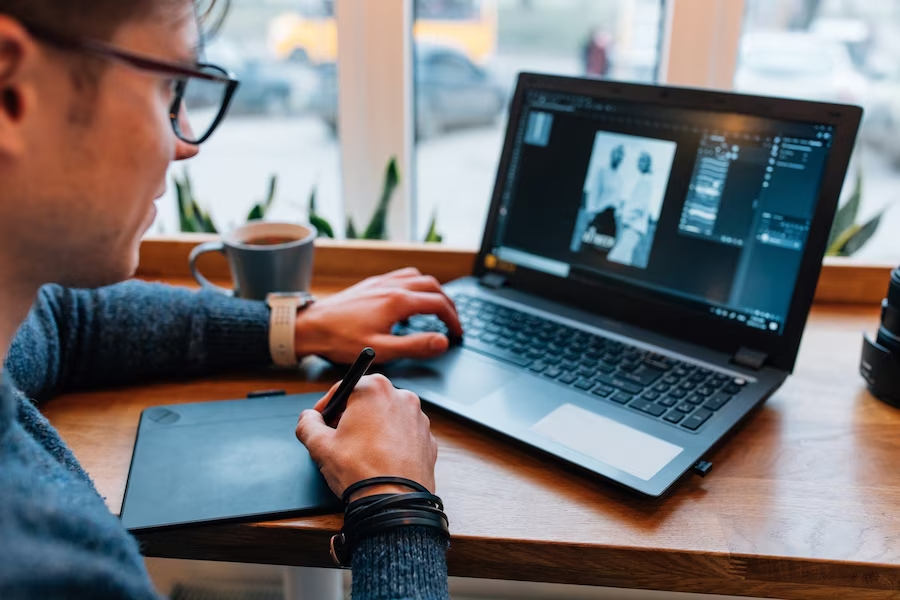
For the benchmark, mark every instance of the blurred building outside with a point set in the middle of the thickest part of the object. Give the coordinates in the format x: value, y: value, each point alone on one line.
x: 468, y: 54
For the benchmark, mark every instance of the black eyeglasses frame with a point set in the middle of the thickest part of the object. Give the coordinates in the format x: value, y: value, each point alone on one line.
x: 153, y: 65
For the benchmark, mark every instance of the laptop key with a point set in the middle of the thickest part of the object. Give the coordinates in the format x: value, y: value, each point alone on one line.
x: 647, y: 407
x: 584, y: 384
x: 666, y: 401
x: 644, y: 376
x: 622, y: 397
x: 552, y: 372
x: 685, y: 407
x: 674, y: 416
x: 568, y: 378
x: 494, y: 352
x: 718, y: 401
x: 620, y: 383
x: 697, y: 419
x: 603, y: 391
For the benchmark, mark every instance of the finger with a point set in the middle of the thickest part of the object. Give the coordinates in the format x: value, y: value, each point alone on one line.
x: 323, y: 402
x: 424, y: 303
x: 402, y: 273
x: 314, y: 434
x: 416, y: 345
x: 422, y: 283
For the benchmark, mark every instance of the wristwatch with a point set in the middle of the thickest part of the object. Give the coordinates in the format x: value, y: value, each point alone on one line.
x: 282, y: 324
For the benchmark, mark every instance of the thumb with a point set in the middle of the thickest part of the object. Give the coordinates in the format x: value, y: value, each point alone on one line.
x: 417, y: 345
x: 314, y: 433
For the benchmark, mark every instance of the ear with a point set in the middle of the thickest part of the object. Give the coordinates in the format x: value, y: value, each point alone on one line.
x: 17, y: 53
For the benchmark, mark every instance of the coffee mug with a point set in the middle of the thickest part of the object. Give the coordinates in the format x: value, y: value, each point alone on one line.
x: 264, y: 257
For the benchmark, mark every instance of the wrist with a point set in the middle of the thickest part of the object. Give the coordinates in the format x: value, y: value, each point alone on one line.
x: 379, y: 489
x: 284, y: 308
x: 309, y: 337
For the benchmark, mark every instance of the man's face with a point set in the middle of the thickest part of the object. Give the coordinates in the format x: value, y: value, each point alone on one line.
x: 93, y: 160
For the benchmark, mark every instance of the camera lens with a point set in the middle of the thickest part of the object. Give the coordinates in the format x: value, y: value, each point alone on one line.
x: 880, y: 363
x: 893, y: 296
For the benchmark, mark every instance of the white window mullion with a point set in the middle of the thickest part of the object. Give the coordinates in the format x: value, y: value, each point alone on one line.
x: 700, y: 43
x: 375, y: 107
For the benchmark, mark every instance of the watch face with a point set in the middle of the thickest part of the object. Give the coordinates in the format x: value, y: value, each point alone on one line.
x: 303, y: 297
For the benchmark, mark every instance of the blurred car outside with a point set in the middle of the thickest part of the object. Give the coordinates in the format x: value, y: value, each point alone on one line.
x: 309, y: 34
x: 266, y: 86
x: 794, y: 64
x: 451, y: 92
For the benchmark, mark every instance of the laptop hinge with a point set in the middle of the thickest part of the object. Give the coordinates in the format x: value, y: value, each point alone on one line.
x: 752, y: 359
x: 494, y: 281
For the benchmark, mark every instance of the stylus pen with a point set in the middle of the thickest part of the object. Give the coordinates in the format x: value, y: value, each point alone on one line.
x: 338, y: 402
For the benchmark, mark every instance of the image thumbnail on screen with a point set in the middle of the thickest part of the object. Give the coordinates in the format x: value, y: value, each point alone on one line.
x: 622, y: 198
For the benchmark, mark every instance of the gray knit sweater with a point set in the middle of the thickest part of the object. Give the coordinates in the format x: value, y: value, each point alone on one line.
x: 57, y: 538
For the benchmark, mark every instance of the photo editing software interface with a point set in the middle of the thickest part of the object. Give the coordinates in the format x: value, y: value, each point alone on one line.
x: 709, y: 210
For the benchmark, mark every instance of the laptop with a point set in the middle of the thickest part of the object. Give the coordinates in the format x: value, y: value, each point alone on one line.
x: 646, y: 271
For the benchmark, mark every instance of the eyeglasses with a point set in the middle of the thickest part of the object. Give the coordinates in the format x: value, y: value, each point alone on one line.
x: 202, y: 92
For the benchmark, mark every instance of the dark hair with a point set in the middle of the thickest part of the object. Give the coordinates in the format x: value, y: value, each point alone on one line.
x: 99, y: 19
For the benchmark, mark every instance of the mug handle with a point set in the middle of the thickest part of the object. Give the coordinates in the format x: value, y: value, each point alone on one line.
x: 203, y: 281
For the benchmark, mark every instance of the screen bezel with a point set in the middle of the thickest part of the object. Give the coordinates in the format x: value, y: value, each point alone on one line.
x: 635, y: 304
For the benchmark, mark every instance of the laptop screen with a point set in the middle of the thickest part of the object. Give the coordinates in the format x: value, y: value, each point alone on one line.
x: 709, y: 209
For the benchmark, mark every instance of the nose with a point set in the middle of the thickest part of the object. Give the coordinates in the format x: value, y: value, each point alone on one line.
x: 183, y: 150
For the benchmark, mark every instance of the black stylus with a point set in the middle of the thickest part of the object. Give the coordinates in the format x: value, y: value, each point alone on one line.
x: 338, y: 402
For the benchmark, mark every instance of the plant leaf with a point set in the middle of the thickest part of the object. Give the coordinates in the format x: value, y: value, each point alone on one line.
x: 863, y: 235
x: 273, y: 186
x: 257, y: 212
x: 846, y: 214
x: 351, y: 230
x: 322, y: 225
x: 837, y: 247
x: 184, y: 224
x: 377, y: 229
x: 312, y: 199
x: 433, y: 235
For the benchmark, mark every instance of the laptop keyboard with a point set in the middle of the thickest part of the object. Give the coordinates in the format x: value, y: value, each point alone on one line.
x: 659, y: 386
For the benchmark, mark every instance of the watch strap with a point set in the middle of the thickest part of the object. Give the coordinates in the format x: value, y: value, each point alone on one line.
x: 282, y: 325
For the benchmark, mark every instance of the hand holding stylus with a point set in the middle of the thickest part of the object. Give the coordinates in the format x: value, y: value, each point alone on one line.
x: 382, y: 432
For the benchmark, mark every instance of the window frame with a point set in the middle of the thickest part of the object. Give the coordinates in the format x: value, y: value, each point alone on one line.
x: 699, y: 46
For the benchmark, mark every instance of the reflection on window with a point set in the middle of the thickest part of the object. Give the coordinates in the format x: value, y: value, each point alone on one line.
x: 282, y: 120
x: 467, y: 55
x: 837, y: 51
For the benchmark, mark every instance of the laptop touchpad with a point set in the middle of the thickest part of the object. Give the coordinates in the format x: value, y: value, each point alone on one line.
x: 456, y: 376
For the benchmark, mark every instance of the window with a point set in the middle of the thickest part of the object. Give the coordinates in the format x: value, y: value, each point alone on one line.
x: 283, y: 120
x: 837, y: 51
x: 466, y: 57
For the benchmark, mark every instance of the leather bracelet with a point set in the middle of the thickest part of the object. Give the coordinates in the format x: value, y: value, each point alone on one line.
x: 377, y: 513
x: 373, y: 481
x: 343, y: 543
x: 355, y: 517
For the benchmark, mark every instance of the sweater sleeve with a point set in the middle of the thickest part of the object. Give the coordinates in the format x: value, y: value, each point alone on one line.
x: 130, y: 332
x: 408, y: 563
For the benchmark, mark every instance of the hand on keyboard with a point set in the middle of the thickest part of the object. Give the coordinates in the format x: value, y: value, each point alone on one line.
x: 337, y: 327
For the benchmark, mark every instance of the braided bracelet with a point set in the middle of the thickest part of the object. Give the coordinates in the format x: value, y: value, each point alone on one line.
x: 382, y: 512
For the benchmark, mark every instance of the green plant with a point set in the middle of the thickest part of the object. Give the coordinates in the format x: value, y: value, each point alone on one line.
x: 260, y: 210
x: 847, y: 236
x: 433, y: 235
x: 377, y: 228
x: 192, y: 218
x: 316, y: 220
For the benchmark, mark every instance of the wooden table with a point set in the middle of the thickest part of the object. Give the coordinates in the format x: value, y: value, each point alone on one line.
x: 803, y: 502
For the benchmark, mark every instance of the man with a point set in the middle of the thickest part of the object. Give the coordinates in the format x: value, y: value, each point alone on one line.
x: 634, y: 217
x: 605, y: 194
x: 86, y: 136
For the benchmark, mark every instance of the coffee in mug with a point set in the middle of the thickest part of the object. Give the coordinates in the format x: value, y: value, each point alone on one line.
x: 264, y: 257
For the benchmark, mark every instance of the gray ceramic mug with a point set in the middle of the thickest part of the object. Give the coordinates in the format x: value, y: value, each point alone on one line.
x: 264, y: 257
